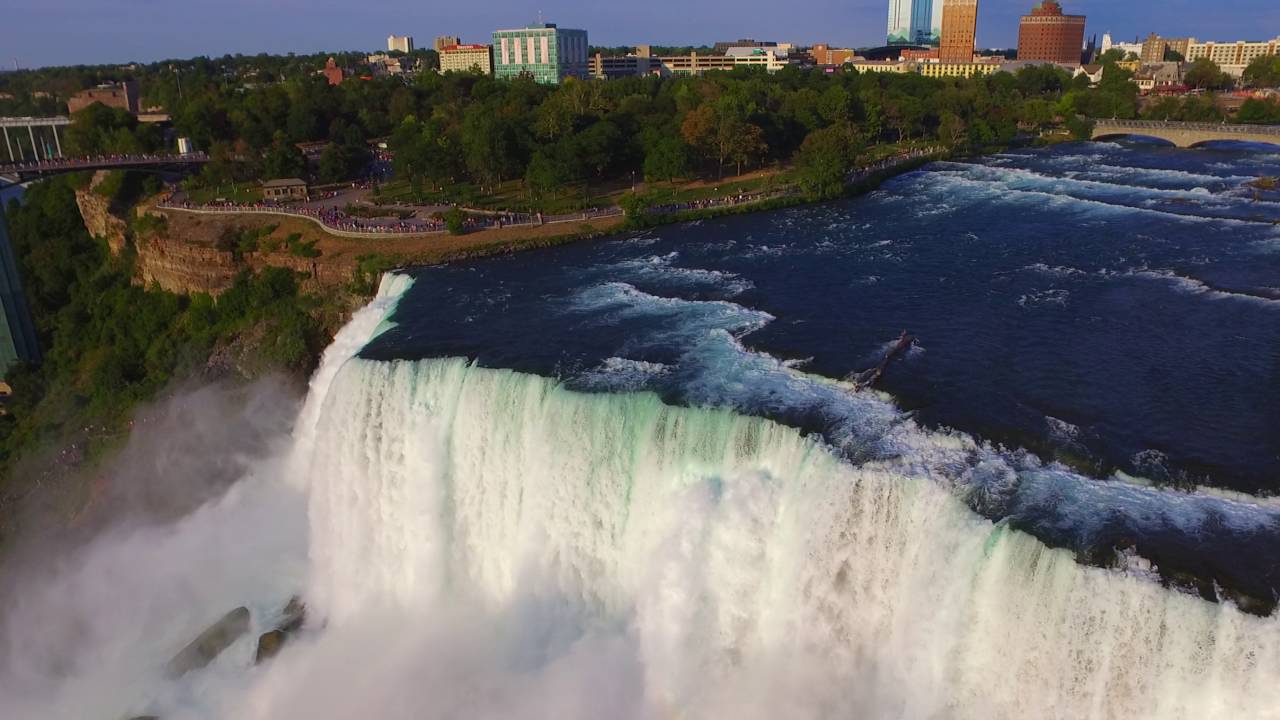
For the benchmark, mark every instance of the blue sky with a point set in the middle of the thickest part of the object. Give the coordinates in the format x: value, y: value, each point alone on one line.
x: 58, y: 32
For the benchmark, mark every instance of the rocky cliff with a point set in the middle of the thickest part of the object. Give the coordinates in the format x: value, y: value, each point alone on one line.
x: 96, y: 211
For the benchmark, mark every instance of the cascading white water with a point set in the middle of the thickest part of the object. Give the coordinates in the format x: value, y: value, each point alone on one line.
x: 746, y: 570
x: 489, y: 544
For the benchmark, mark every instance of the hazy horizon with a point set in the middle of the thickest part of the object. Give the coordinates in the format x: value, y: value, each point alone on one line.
x: 38, y: 33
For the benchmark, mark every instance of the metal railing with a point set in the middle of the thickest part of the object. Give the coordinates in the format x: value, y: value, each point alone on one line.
x: 100, y: 162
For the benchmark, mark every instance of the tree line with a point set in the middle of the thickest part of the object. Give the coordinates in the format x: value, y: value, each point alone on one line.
x: 251, y: 114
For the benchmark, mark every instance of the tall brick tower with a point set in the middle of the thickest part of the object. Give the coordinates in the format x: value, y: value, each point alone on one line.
x: 959, y: 30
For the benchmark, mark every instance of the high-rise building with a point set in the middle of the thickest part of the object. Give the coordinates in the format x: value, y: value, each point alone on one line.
x: 17, y: 333
x: 445, y: 41
x: 1231, y: 57
x: 1157, y: 49
x: 547, y: 53
x: 1047, y: 35
x: 467, y: 58
x: 1108, y: 43
x: 914, y: 22
x: 400, y: 43
x: 959, y: 31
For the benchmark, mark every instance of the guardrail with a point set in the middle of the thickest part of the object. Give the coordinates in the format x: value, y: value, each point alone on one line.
x: 376, y: 231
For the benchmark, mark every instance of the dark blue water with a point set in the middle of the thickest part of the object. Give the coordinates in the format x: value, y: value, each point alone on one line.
x: 1100, y: 317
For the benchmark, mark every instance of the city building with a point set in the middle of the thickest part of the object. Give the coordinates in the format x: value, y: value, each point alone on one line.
x: 912, y: 54
x: 827, y: 55
x: 915, y: 22
x: 1047, y: 35
x: 1109, y: 44
x: 944, y: 69
x: 445, y: 41
x: 400, y: 43
x: 467, y: 58
x: 547, y: 53
x: 959, y: 31
x: 863, y: 65
x: 1156, y: 49
x: 771, y: 59
x: 285, y: 189
x: 1093, y: 72
x: 17, y: 332
x: 1232, y: 57
x: 383, y: 64
x: 744, y: 42
x: 334, y: 74
x: 1153, y: 77
x: 609, y: 67
x: 643, y: 62
x: 122, y: 96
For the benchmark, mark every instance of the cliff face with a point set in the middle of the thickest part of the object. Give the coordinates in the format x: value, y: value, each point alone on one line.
x: 185, y: 268
x: 96, y: 212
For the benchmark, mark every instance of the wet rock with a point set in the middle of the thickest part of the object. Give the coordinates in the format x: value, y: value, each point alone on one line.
x: 211, y: 642
x: 292, y: 618
x: 269, y: 644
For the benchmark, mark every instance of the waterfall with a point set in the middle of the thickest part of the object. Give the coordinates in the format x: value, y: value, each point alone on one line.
x: 485, y: 543
x: 744, y: 565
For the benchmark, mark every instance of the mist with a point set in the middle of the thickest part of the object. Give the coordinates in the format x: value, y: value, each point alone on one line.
x: 185, y: 522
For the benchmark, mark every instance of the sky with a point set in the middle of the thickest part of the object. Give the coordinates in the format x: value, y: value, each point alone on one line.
x: 36, y: 33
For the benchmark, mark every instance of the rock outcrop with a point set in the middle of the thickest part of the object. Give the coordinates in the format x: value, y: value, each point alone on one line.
x: 270, y: 643
x: 183, y: 267
x: 210, y: 643
x: 96, y: 211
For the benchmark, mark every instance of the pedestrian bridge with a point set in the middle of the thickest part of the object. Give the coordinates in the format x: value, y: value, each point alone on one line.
x: 13, y: 173
x: 1187, y: 135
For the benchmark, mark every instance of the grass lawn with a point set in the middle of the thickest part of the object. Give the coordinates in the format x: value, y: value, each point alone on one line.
x: 509, y: 195
x: 237, y: 193
x: 689, y: 191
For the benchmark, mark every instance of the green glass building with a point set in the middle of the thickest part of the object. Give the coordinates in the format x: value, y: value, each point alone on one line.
x: 546, y: 53
x: 17, y: 334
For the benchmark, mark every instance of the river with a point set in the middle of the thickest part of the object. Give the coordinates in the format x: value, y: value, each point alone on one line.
x: 624, y: 478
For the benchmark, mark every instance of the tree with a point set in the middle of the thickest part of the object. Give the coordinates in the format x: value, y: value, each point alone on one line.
x: 1080, y: 128
x: 1206, y: 75
x: 743, y: 141
x: 284, y: 160
x: 666, y: 159
x: 951, y: 129
x: 99, y: 129
x: 455, y: 221
x: 1263, y: 72
x: 487, y: 145
x: 1259, y: 112
x: 543, y: 176
x: 825, y: 158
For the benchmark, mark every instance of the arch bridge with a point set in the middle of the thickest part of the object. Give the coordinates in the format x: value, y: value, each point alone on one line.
x: 1186, y: 135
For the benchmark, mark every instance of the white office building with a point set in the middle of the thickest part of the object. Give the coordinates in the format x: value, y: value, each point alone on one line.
x: 400, y: 43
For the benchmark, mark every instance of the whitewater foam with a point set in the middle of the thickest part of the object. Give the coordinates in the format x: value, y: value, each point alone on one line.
x: 663, y: 270
x: 741, y: 567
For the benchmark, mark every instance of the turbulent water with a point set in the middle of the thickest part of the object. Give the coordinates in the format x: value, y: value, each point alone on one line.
x: 617, y: 481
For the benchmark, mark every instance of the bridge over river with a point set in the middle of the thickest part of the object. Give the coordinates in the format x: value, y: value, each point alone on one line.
x: 13, y: 173
x: 1185, y: 135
